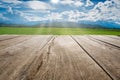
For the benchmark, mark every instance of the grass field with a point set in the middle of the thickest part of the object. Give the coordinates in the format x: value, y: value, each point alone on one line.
x: 58, y: 31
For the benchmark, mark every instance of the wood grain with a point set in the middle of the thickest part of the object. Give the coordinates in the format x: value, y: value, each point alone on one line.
x: 7, y: 37
x: 114, y: 37
x: 12, y: 59
x: 108, y: 57
x: 50, y: 57
x: 108, y: 40
x: 59, y: 62
x: 13, y: 41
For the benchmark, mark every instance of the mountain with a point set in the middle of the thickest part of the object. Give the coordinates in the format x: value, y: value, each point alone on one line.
x: 56, y: 25
x: 67, y: 25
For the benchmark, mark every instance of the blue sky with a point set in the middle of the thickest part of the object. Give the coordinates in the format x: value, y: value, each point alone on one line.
x: 30, y: 12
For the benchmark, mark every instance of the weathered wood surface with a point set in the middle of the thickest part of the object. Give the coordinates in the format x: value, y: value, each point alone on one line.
x: 11, y: 42
x: 13, y: 58
x: 109, y: 40
x: 114, y: 37
x: 7, y: 37
x: 59, y: 58
x: 107, y: 56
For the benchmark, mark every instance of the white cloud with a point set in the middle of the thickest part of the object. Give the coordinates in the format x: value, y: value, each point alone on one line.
x: 3, y: 17
x: 50, y: 17
x: 10, y: 10
x: 11, y: 1
x: 34, y: 6
x: 116, y: 1
x: 29, y: 16
x: 103, y: 11
x: 118, y: 23
x: 34, y: 18
x: 89, y: 3
x: 65, y: 2
x: 108, y: 10
x: 54, y: 16
x: 37, y: 11
x: 73, y: 16
x: 38, y: 5
x: 76, y: 3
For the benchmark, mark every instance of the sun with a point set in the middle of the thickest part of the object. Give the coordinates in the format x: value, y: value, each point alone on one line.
x: 54, y: 1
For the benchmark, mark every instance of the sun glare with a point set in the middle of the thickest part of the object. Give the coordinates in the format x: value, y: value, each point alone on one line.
x: 54, y: 1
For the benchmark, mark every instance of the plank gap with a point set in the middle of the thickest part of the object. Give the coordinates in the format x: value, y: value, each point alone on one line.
x: 92, y: 58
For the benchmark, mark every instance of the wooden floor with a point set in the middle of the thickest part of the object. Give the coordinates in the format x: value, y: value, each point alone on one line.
x: 50, y: 57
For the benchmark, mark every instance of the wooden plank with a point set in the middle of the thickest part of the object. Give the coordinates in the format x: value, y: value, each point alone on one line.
x: 62, y: 59
x: 7, y: 37
x: 108, y: 40
x: 107, y: 56
x: 114, y: 37
x: 12, y: 59
x: 12, y: 42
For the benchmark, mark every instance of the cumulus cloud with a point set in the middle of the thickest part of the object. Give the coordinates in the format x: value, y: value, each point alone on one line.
x: 40, y: 11
x: 103, y: 11
x: 71, y: 15
x: 89, y: 3
x: 108, y: 10
x: 10, y: 10
x: 33, y: 7
x: 35, y: 4
x: 38, y: 5
x: 76, y: 3
x: 34, y: 18
x: 54, y: 16
x: 29, y: 16
x: 67, y: 2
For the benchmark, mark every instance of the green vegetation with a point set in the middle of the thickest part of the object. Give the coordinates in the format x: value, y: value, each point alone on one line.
x: 58, y: 31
